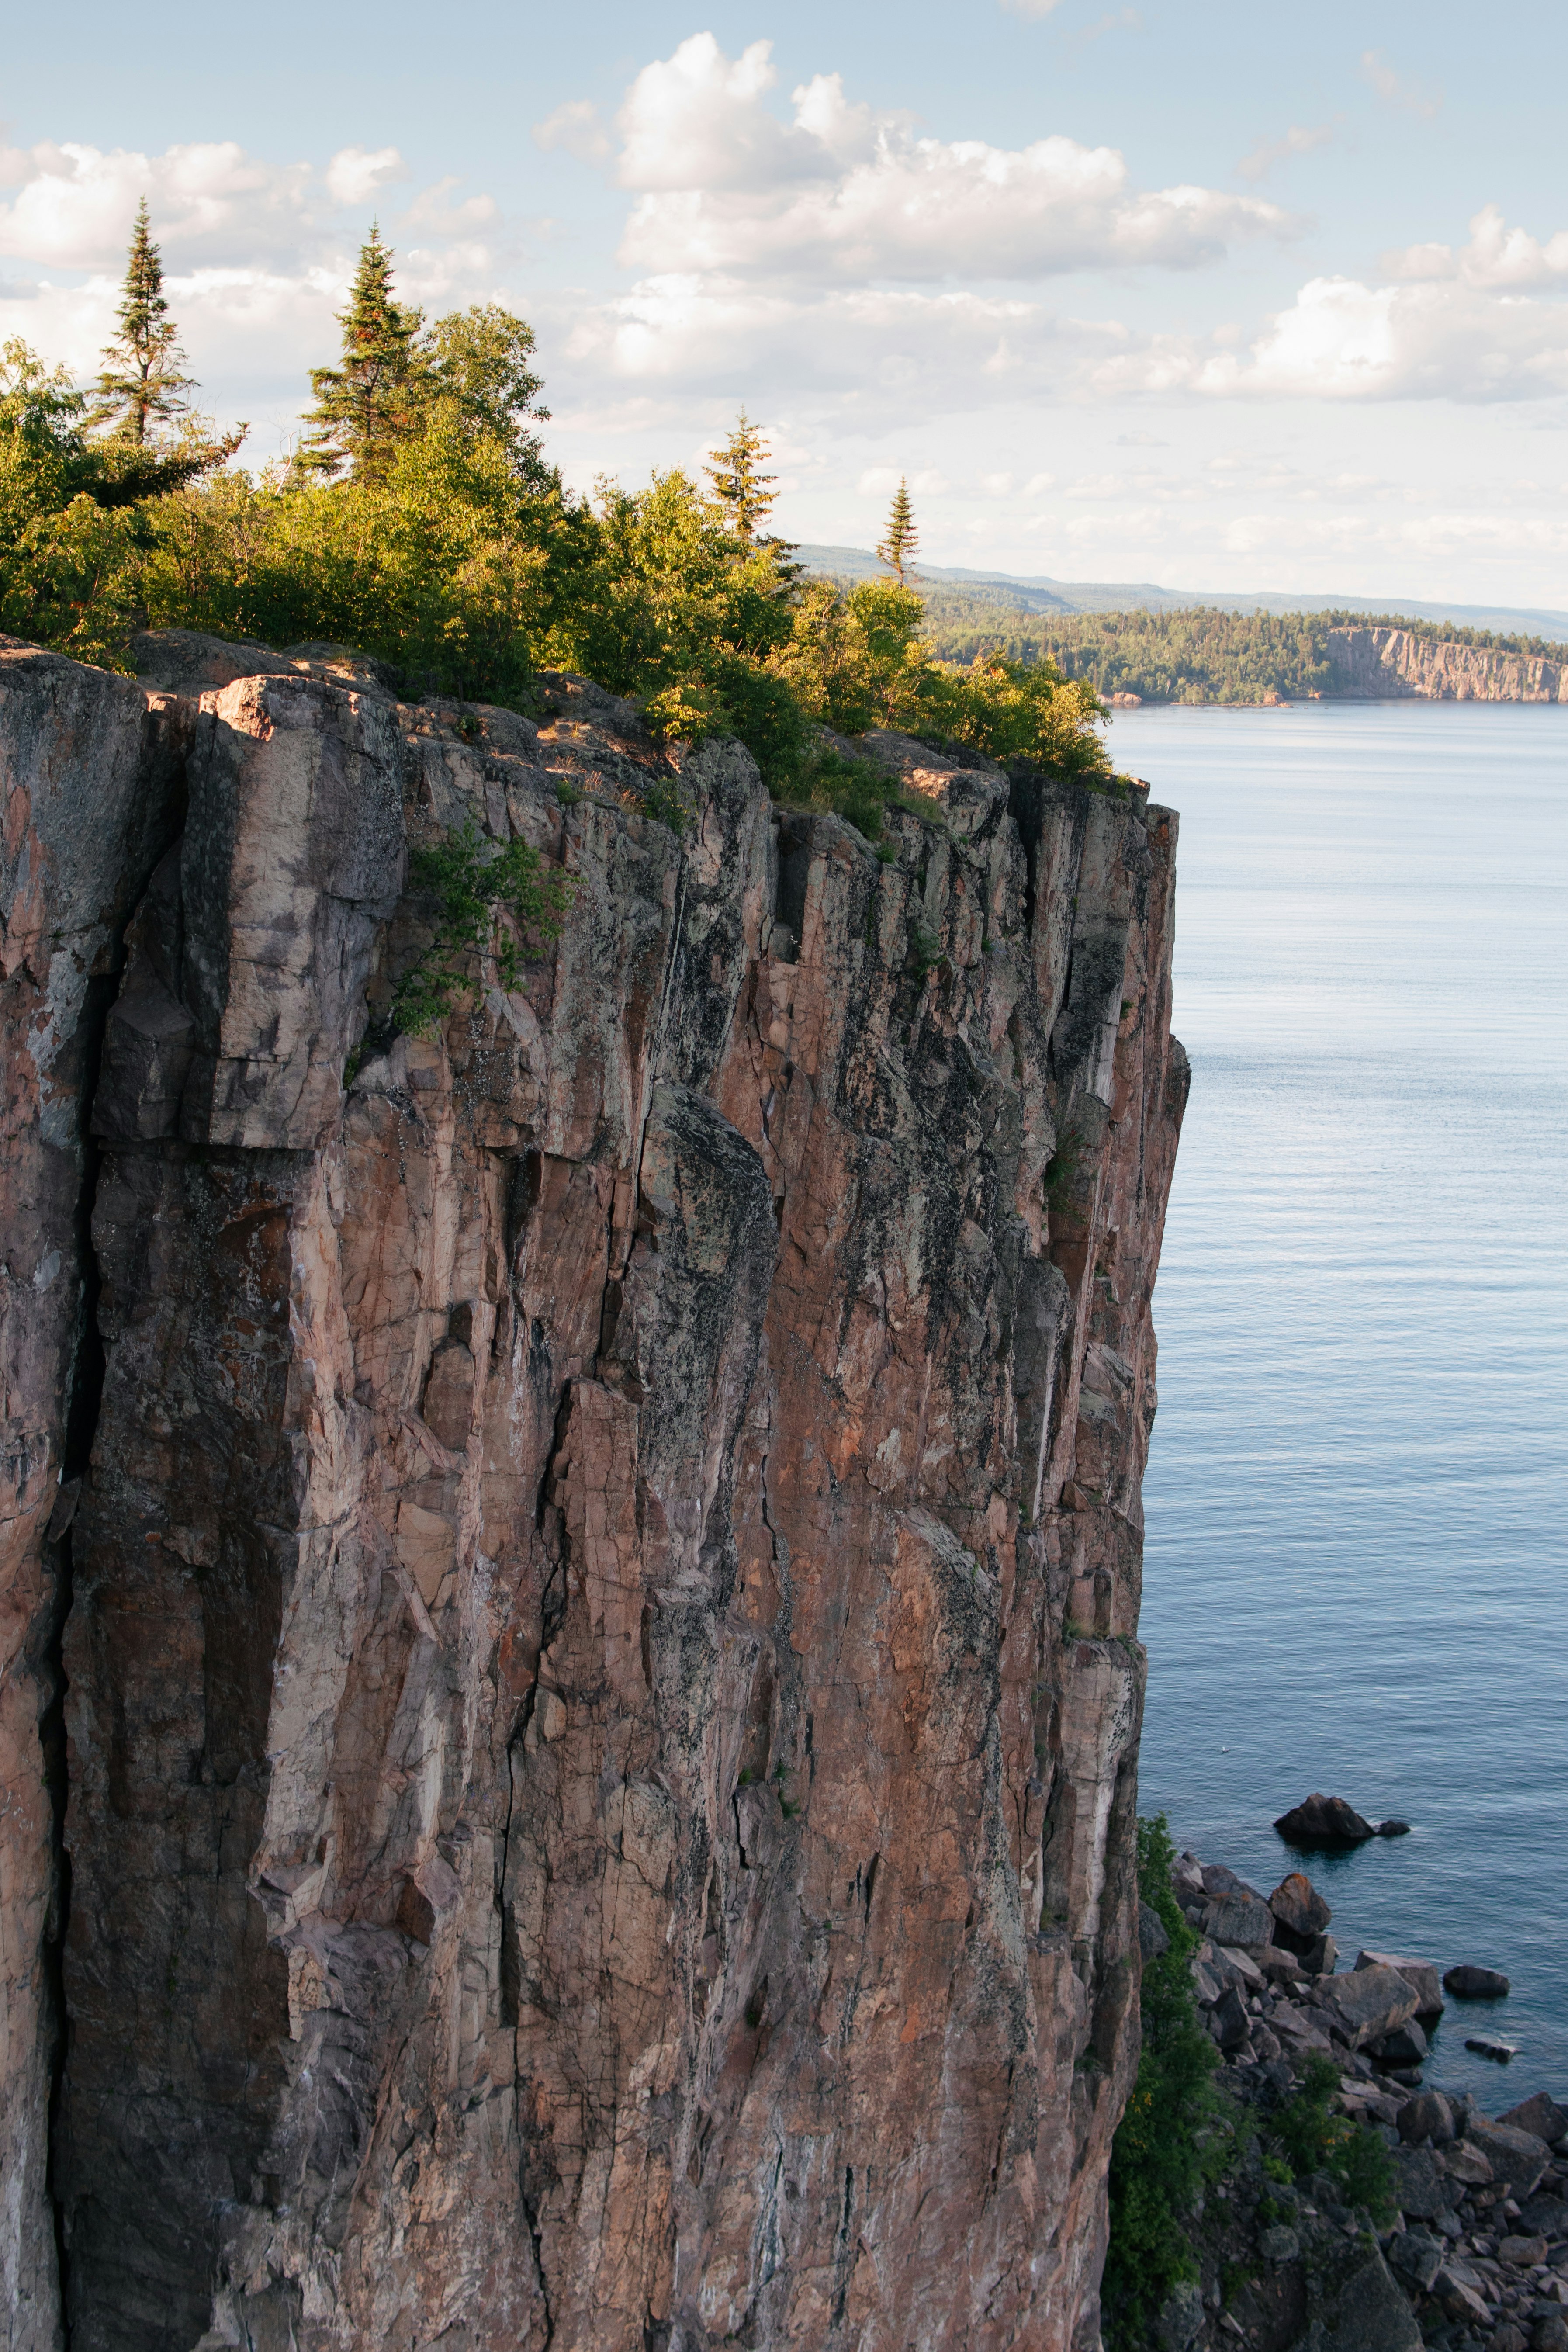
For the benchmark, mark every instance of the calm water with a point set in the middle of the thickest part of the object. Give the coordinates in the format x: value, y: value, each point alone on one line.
x: 1357, y: 1559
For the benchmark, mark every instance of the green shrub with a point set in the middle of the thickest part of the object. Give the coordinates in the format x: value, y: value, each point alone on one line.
x: 1175, y: 2135
x: 489, y: 902
x: 1310, y: 2137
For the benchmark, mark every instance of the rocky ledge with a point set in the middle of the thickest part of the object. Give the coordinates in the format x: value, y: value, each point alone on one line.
x: 1475, y: 2258
x: 570, y: 1583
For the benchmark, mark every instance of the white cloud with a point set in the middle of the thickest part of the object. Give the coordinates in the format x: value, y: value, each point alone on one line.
x: 1031, y: 7
x: 354, y: 174
x: 75, y: 202
x: 1412, y: 98
x: 576, y: 127
x: 1496, y: 256
x: 1342, y: 341
x: 1299, y: 139
x: 838, y: 193
x: 434, y: 210
x: 1038, y: 484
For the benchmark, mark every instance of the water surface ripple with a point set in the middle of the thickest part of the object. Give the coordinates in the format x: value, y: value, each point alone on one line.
x: 1357, y: 1499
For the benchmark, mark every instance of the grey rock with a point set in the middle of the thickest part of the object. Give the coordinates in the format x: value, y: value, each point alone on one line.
x: 1215, y: 1879
x: 1465, y: 2162
x: 1243, y: 1919
x: 1417, y: 2256
x: 1152, y: 1938
x: 1394, y: 1829
x: 1422, y: 1974
x: 1370, y: 2003
x: 1491, y: 2046
x: 1278, y: 2244
x: 1230, y: 2020
x: 1300, y: 1912
x: 1181, y: 2319
x: 1550, y: 2333
x: 1545, y: 2214
x: 1357, y: 2305
x: 1324, y: 1820
x: 1517, y: 2157
x: 1541, y: 2115
x: 1421, y: 2186
x: 1475, y: 1984
x: 1427, y: 2116
x: 1405, y: 2046
x: 1321, y: 1956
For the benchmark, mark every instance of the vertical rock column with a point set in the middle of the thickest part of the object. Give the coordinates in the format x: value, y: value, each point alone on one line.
x: 90, y: 775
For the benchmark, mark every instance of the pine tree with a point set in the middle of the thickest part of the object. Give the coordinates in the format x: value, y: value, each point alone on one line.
x: 738, y: 479
x: 141, y: 384
x: 372, y: 401
x: 897, y: 550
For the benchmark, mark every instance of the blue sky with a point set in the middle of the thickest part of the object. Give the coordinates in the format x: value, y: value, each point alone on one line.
x: 1231, y: 298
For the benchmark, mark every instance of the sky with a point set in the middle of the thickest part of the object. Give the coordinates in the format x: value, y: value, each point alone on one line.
x: 1232, y: 298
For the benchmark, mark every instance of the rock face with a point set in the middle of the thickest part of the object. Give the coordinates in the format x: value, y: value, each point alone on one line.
x: 601, y: 1693
x: 1384, y: 663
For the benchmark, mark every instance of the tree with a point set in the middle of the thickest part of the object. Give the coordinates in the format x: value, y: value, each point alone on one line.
x: 141, y: 384
x: 738, y: 479
x: 476, y: 363
x: 363, y: 408
x: 897, y: 550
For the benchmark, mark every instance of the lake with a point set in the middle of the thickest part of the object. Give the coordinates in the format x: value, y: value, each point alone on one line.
x: 1357, y: 1555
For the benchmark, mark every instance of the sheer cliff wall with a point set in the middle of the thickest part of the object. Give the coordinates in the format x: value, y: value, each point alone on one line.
x: 1383, y: 664
x: 570, y: 1696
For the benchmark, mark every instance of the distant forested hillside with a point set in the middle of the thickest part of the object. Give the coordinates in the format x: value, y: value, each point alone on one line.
x: 1195, y: 655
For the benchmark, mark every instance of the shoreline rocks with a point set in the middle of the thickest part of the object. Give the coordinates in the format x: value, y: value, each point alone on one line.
x: 1474, y: 2258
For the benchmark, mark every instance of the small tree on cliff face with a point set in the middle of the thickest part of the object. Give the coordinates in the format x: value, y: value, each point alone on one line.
x: 365, y: 406
x: 738, y: 479
x: 897, y: 550
x: 142, y: 384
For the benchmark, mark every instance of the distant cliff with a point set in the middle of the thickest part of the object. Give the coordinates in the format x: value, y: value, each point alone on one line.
x: 1383, y: 663
x: 569, y: 1584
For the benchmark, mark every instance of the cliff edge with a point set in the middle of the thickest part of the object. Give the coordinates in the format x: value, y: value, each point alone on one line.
x: 1381, y: 664
x: 571, y: 1697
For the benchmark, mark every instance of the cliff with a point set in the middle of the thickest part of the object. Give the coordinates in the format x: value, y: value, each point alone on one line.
x: 1378, y: 664
x: 570, y: 1700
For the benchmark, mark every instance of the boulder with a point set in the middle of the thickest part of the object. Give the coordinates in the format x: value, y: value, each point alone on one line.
x: 1550, y: 2333
x: 1422, y: 1974
x: 1233, y: 1966
x: 1181, y: 2320
x: 1540, y: 2116
x: 1546, y: 2216
x: 1244, y: 1919
x: 1517, y: 2157
x: 1465, y: 2163
x: 1421, y: 2185
x: 1278, y: 2244
x: 1427, y: 2116
x: 1523, y: 2253
x: 1217, y: 1880
x: 1417, y: 2256
x: 1491, y: 2046
x: 1369, y: 2003
x: 1405, y: 2046
x: 1324, y: 1820
x: 1459, y: 2289
x: 1394, y: 1829
x: 1475, y: 1984
x: 1301, y: 1914
x: 1230, y: 2020
x: 1357, y: 2305
x: 1321, y: 1956
x: 1152, y: 1938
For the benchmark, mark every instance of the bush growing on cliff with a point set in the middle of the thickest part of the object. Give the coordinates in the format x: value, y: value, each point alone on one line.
x: 1174, y: 2136
x: 420, y: 522
x: 1310, y: 2137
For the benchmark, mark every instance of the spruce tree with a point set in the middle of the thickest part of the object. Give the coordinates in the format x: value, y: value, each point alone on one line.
x: 141, y: 385
x: 372, y: 401
x: 897, y: 550
x: 738, y: 479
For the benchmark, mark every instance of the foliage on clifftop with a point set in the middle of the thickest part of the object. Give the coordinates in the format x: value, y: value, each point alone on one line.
x: 1197, y: 654
x: 420, y: 521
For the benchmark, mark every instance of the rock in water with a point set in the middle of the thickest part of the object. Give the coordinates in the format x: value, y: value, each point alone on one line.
x: 1476, y: 1984
x: 1421, y: 1974
x: 587, y: 1820
x: 1324, y: 1820
x: 1371, y: 2003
